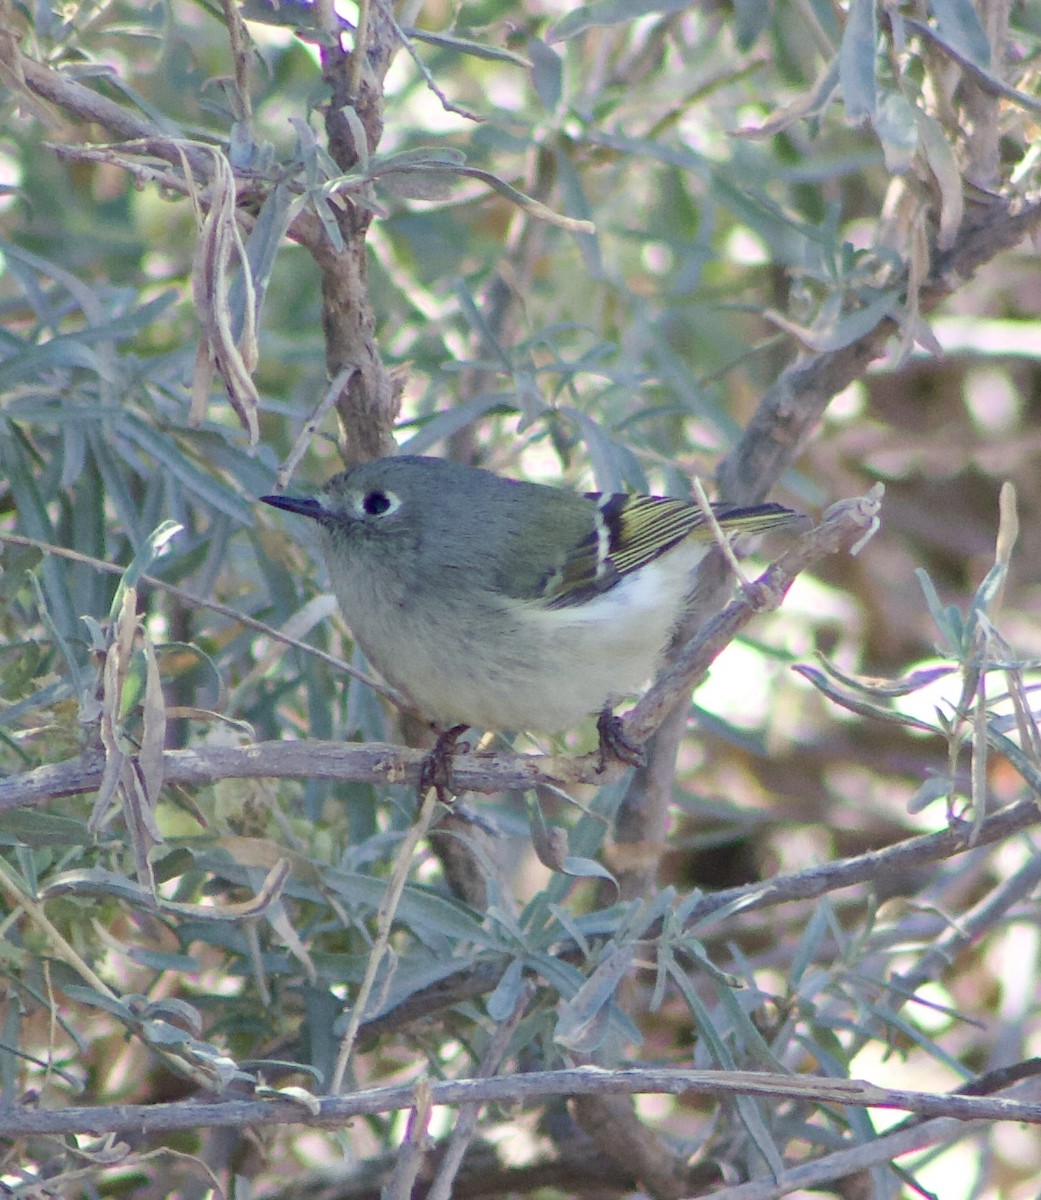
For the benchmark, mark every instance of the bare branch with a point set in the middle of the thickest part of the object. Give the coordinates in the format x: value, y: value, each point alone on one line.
x: 79, y: 101
x: 527, y: 1088
x: 791, y: 408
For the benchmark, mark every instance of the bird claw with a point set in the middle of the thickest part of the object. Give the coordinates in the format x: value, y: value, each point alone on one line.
x: 436, y: 771
x: 614, y: 745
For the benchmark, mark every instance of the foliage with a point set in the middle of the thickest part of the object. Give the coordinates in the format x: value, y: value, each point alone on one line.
x: 606, y: 246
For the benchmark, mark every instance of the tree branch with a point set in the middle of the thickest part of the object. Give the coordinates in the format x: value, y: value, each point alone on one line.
x: 789, y: 411
x: 90, y: 106
x: 528, y: 1088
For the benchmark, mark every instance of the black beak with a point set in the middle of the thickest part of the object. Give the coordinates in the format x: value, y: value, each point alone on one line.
x: 305, y: 506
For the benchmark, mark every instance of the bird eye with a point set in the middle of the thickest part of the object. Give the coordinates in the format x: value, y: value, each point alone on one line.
x: 375, y: 504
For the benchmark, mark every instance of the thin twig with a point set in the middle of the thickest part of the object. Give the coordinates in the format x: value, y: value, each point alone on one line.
x: 971, y: 926
x: 815, y: 1175
x: 361, y: 36
x: 240, y: 53
x: 141, y: 172
x: 384, y: 922
x: 466, y: 1121
x: 421, y: 66
x: 329, y: 398
x: 80, y: 101
x: 410, y: 1156
x: 57, y: 943
x: 721, y: 539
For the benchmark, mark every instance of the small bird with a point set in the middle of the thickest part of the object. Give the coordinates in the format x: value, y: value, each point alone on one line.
x: 506, y: 605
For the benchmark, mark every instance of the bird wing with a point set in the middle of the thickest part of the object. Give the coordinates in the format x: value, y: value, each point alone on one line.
x: 631, y: 531
x: 628, y: 532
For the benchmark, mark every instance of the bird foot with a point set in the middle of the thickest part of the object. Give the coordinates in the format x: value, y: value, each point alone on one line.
x: 613, y: 744
x: 436, y: 771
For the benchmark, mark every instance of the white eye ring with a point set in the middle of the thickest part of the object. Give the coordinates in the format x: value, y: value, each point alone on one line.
x: 376, y: 502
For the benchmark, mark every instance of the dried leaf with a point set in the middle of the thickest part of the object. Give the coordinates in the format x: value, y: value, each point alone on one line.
x: 153, y: 738
x: 218, y: 242
x: 939, y: 154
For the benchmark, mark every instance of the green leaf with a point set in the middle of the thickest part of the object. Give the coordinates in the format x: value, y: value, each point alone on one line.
x: 857, y: 60
x: 61, y: 353
x: 579, y: 1025
x: 110, y: 1004
x: 586, y: 868
x: 987, y: 592
x: 935, y: 787
x: 30, y: 827
x: 745, y: 1028
x: 887, y: 688
x: 150, y: 550
x: 808, y: 950
x: 159, y: 960
x: 747, y: 1108
x: 466, y: 46
x: 547, y: 74
x: 533, y: 207
x: 895, y: 122
x: 169, y: 458
x: 503, y: 1000
x: 262, y: 246
x: 854, y: 325
x: 856, y: 704
x: 947, y: 618
x: 34, y: 521
x: 614, y: 464
x: 450, y: 421
x: 958, y: 24
x: 1023, y: 763
x: 940, y: 155
x: 987, y: 80
x: 609, y: 12
x: 752, y: 19
x: 96, y: 881
x: 418, y: 908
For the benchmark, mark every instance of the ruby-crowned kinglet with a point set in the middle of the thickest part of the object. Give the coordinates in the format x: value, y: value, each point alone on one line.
x: 508, y: 605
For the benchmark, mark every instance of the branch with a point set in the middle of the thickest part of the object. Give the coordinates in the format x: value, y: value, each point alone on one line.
x: 578, y: 1166
x: 375, y: 762
x: 90, y: 106
x: 330, y: 760
x: 835, y: 1167
x: 529, y: 1088
x: 789, y: 411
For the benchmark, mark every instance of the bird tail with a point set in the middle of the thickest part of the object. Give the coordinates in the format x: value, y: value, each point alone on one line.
x: 755, y: 518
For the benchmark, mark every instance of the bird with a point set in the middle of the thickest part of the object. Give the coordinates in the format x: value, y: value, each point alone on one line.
x: 501, y: 604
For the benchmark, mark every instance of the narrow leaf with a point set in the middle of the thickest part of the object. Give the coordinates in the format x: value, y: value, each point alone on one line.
x: 821, y: 682
x: 547, y: 74
x: 958, y: 24
x: 579, y: 1023
x: 857, y: 60
x: 609, y: 12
